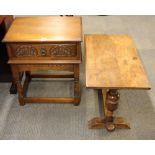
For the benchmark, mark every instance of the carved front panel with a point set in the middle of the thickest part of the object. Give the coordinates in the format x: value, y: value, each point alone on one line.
x: 25, y: 51
x: 63, y: 50
x: 44, y: 50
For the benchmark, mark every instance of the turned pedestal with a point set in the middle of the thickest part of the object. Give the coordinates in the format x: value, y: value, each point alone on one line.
x: 110, y: 104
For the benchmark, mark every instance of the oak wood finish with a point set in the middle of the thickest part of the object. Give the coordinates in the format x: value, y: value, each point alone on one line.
x: 112, y: 63
x: 43, y: 61
x: 52, y: 76
x: 45, y: 29
x: 66, y: 100
x: 41, y: 44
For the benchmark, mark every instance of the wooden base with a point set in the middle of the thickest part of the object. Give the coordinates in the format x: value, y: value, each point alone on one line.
x: 110, y: 98
x: 22, y: 90
x: 51, y: 100
x: 98, y: 123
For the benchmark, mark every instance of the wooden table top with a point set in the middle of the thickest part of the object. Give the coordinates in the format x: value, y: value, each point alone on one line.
x: 44, y: 29
x: 112, y: 62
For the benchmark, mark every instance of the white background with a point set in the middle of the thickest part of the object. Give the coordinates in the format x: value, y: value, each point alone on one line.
x: 79, y: 7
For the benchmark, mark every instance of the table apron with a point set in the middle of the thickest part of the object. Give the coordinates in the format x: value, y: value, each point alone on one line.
x: 44, y: 51
x: 44, y: 67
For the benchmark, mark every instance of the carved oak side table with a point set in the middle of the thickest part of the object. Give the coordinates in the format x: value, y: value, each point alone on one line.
x: 112, y: 63
x: 41, y: 44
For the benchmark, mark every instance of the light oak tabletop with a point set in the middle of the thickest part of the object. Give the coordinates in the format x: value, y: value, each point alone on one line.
x: 44, y: 29
x: 112, y: 62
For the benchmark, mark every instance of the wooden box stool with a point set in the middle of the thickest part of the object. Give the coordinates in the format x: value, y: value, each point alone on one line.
x: 41, y: 44
x: 112, y: 63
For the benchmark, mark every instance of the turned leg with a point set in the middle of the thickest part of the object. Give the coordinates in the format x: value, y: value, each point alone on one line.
x: 76, y: 85
x: 110, y: 104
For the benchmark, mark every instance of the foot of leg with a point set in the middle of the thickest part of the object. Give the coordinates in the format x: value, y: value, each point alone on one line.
x: 13, y: 89
x: 21, y: 101
x: 76, y: 104
x: 99, y: 123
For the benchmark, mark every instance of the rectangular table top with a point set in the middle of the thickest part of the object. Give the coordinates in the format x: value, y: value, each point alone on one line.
x: 112, y: 62
x: 44, y: 29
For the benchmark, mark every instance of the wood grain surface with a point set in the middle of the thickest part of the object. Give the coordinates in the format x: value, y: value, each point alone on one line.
x: 42, y: 44
x: 112, y: 62
x: 44, y: 28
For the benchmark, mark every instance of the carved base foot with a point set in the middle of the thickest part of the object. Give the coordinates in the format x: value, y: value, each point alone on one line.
x: 13, y: 89
x: 110, y: 104
x: 99, y: 123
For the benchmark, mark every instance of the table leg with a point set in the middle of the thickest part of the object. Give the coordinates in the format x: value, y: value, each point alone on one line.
x: 26, y: 82
x: 76, y: 85
x: 17, y: 80
x: 28, y: 75
x: 13, y: 88
x: 110, y: 104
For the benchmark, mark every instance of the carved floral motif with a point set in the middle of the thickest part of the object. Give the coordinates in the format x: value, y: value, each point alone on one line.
x: 49, y: 50
x: 26, y: 51
x: 63, y: 50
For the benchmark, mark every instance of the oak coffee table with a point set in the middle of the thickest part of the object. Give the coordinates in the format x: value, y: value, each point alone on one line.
x: 112, y: 63
x: 44, y: 43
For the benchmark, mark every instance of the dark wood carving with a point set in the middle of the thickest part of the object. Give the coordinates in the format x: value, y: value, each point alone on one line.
x: 25, y: 51
x: 112, y: 100
x: 63, y: 50
x: 48, y: 50
x: 43, y: 52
